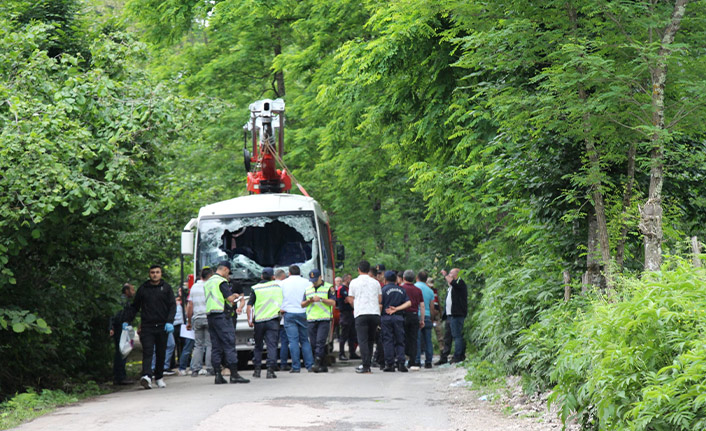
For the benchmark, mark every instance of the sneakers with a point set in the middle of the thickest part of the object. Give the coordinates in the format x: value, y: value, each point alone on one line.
x: 389, y: 369
x: 427, y: 365
x: 271, y: 374
x: 256, y: 373
x: 181, y: 373
x: 342, y: 358
x: 203, y: 372
x: 294, y: 371
x: 195, y: 373
x: 363, y: 370
x: 414, y: 368
x: 441, y: 361
x: 146, y: 382
x: 354, y: 356
x: 161, y: 384
x: 169, y: 372
x: 401, y: 367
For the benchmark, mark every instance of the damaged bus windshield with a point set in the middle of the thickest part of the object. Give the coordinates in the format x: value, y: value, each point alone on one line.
x: 254, y: 242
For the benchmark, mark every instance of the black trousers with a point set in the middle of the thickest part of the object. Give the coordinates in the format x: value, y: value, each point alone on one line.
x: 220, y: 328
x: 448, y: 340
x: 318, y: 334
x: 365, y: 327
x: 347, y: 323
x: 411, y: 331
x: 154, y: 340
x: 267, y: 331
x: 392, y: 328
x: 119, y: 373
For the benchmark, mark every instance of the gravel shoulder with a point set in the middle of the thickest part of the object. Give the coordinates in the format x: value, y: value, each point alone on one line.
x: 507, y: 409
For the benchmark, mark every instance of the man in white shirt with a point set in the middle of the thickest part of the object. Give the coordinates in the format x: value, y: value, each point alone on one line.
x: 295, y: 324
x: 366, y: 296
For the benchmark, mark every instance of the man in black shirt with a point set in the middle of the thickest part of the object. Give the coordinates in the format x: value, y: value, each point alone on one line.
x: 155, y: 300
x: 116, y: 321
x: 394, y: 301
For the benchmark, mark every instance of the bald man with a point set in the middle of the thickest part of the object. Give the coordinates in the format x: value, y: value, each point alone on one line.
x: 456, y: 310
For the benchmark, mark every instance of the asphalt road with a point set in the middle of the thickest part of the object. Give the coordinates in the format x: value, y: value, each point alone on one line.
x: 339, y: 400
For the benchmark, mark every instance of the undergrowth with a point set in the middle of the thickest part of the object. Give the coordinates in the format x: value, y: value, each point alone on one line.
x: 29, y: 405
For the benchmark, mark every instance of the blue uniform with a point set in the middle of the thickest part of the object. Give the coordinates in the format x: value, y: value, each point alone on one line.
x: 392, y: 325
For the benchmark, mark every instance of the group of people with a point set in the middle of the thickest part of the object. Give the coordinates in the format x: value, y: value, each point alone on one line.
x: 393, y: 311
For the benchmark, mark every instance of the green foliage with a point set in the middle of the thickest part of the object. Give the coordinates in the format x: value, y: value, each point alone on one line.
x: 29, y: 405
x: 542, y: 342
x: 19, y: 321
x: 636, y: 361
x: 81, y: 139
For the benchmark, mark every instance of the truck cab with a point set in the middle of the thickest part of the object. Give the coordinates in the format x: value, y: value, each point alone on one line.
x: 257, y: 231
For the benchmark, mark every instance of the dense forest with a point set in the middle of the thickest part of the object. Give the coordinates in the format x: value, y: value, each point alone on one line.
x: 554, y: 150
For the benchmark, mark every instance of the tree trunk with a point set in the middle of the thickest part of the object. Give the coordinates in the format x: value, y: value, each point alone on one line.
x: 279, y: 75
x: 651, y: 212
x: 592, y: 276
x: 696, y: 249
x: 627, y: 197
x: 567, y: 286
x: 594, y: 172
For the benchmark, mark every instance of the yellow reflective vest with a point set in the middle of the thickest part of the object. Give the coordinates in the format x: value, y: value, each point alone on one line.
x: 319, y: 310
x: 215, y: 302
x: 268, y: 301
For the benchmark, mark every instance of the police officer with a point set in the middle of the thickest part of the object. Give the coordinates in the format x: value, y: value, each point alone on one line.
x: 219, y: 311
x: 263, y: 313
x: 319, y: 301
x: 394, y: 301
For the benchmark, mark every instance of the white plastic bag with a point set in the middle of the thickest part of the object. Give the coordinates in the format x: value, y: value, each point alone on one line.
x: 126, y: 341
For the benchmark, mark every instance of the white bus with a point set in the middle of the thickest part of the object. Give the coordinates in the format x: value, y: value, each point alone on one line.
x: 257, y: 231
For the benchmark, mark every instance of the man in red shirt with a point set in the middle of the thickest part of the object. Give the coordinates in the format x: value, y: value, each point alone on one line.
x: 413, y: 318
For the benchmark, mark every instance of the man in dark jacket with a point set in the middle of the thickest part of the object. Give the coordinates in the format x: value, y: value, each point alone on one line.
x: 394, y: 303
x: 116, y: 321
x: 456, y: 310
x: 155, y: 300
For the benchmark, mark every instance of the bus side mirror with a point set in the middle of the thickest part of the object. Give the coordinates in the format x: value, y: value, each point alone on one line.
x: 340, y: 254
x: 187, y: 242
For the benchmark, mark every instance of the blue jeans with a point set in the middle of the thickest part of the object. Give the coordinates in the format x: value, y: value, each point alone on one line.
x: 185, y: 358
x: 171, y: 344
x: 456, y: 324
x: 283, y: 347
x: 425, y: 339
x: 298, y: 332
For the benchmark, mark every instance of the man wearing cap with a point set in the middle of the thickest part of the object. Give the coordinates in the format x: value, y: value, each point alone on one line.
x: 394, y: 302
x: 263, y: 313
x: 319, y: 301
x: 219, y: 312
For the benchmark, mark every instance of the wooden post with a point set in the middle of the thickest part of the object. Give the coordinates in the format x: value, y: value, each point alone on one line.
x: 567, y: 286
x: 696, y: 249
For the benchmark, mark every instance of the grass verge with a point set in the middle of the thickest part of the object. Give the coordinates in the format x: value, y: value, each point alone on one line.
x: 30, y: 405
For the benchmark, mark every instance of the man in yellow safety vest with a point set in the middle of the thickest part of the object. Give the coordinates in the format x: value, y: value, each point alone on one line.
x: 319, y: 301
x: 219, y: 301
x: 263, y: 313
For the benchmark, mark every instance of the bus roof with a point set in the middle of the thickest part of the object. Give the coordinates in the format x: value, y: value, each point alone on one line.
x: 263, y: 204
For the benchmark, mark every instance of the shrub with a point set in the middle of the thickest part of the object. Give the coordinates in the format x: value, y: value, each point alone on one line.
x: 637, y: 362
x: 542, y: 342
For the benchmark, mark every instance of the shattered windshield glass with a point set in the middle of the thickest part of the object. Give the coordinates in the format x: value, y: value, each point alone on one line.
x: 252, y: 243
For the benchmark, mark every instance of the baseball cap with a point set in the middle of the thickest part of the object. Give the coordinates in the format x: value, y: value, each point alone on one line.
x: 314, y: 275
x: 268, y: 272
x: 225, y: 263
x: 390, y: 276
